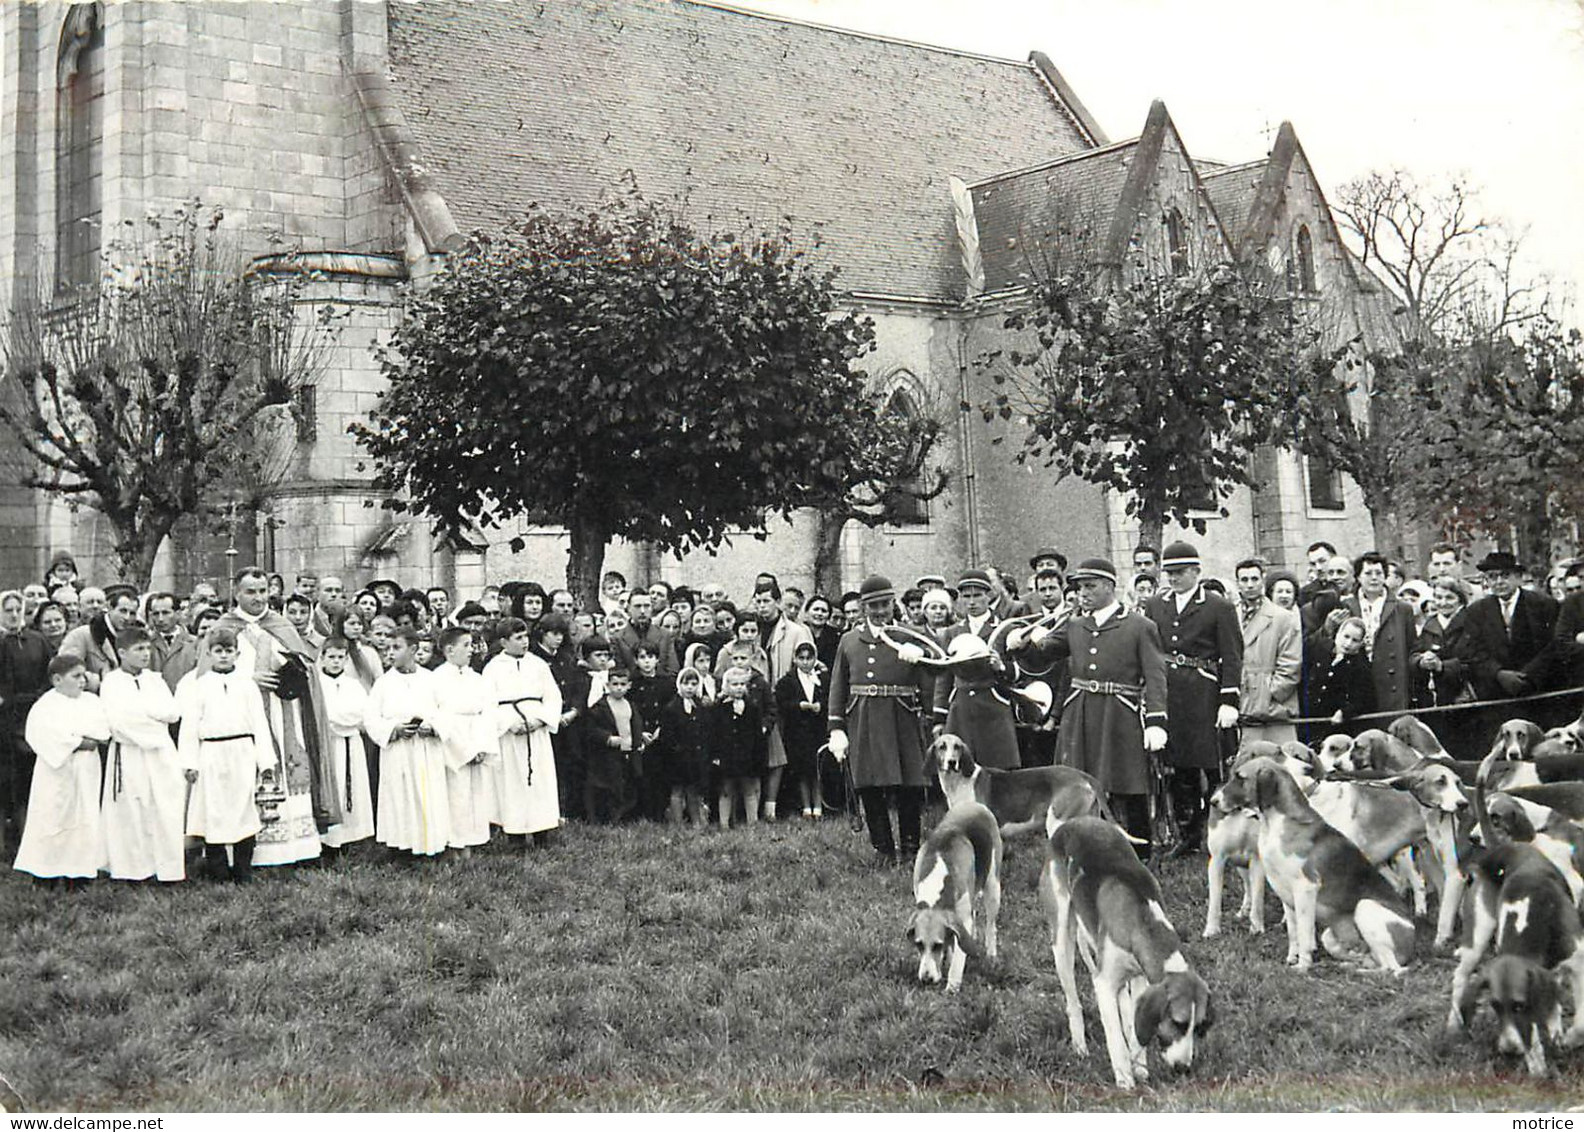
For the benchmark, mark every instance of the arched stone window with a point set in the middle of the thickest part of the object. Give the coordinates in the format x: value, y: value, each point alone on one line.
x: 79, y: 146
x: 908, y: 510
x: 1303, y: 253
x: 1176, y: 242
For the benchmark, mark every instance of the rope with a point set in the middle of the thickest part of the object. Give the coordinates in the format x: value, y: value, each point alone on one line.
x: 1471, y: 705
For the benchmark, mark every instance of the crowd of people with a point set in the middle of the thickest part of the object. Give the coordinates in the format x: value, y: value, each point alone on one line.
x: 296, y: 720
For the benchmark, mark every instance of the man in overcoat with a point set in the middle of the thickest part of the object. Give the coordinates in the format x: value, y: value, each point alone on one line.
x: 972, y: 701
x: 877, y: 716
x: 1510, y: 633
x: 1272, y: 659
x: 1204, y: 672
x: 1115, y: 712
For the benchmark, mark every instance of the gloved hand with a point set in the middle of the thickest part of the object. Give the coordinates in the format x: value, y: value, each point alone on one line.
x: 1154, y: 738
x: 838, y: 745
x: 909, y: 653
x: 1226, y: 716
x: 1513, y: 683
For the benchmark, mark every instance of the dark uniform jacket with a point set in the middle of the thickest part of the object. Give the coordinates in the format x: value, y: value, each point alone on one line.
x: 972, y: 701
x: 1102, y: 732
x: 1207, y: 641
x: 885, y: 731
x: 1525, y: 647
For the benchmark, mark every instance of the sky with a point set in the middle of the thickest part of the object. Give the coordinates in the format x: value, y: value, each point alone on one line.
x: 1488, y: 90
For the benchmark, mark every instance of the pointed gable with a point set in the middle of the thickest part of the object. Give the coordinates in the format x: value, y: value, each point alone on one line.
x: 745, y: 118
x: 1114, y: 209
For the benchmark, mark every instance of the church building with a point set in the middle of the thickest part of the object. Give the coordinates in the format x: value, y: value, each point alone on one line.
x: 370, y: 137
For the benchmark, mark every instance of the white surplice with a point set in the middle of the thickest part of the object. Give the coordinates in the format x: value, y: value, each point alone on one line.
x: 522, y: 689
x: 345, y: 705
x: 414, y: 810
x: 467, y: 729
x: 224, y: 736
x: 64, y: 836
x: 144, y: 791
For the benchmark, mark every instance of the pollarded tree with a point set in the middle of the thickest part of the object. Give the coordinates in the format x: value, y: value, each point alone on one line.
x: 619, y: 374
x: 149, y: 395
x: 1158, y: 388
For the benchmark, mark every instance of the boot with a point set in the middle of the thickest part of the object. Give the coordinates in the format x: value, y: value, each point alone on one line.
x: 215, y: 865
x: 242, y: 861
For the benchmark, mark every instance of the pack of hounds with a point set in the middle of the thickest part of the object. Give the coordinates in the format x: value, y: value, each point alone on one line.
x: 1347, y: 836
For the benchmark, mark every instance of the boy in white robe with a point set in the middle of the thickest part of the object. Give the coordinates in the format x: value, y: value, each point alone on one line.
x: 224, y: 747
x: 144, y: 789
x: 64, y: 836
x: 466, y: 725
x: 527, y: 712
x: 414, y: 813
x: 345, y: 704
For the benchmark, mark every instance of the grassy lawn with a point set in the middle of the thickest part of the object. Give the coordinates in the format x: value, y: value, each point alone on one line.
x: 652, y: 968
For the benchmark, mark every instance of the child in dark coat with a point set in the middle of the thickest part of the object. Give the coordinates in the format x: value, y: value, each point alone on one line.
x: 800, y: 698
x: 650, y: 694
x: 735, y: 734
x: 612, y: 739
x: 1343, y: 686
x: 680, y: 759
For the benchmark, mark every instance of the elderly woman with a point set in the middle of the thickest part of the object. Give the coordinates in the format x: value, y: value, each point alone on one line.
x: 52, y: 620
x: 1440, y: 655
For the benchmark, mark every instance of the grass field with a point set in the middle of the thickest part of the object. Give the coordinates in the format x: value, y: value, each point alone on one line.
x: 653, y: 968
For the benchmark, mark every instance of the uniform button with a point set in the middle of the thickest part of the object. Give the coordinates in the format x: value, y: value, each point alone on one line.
x: 869, y: 674
x: 1091, y: 668
x: 1093, y: 651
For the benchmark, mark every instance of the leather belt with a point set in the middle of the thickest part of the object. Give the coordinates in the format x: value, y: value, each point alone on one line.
x: 225, y: 738
x: 883, y: 690
x: 1203, y: 664
x: 1107, y: 688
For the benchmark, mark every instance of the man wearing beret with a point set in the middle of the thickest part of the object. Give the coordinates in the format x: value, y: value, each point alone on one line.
x: 877, y: 716
x: 1114, y: 715
x: 1203, y: 644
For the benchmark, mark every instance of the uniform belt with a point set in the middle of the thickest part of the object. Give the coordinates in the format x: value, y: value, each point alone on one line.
x: 1107, y: 687
x: 883, y: 690
x: 1203, y: 664
x: 225, y: 738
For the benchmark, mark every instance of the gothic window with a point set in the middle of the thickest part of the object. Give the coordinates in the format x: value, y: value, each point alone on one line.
x: 907, y: 510
x: 1176, y: 242
x: 1304, y: 254
x: 1325, y: 484
x: 79, y: 147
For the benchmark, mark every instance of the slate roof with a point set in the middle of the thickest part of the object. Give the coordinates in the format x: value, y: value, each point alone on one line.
x: 1057, y: 213
x: 739, y: 115
x: 1231, y: 190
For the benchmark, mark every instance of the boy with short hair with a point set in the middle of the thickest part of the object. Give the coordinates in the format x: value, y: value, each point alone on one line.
x: 466, y: 726
x: 346, y: 702
x: 527, y: 713
x: 224, y: 747
x: 650, y: 693
x: 299, y: 611
x: 414, y: 811
x: 615, y: 735
x: 144, y: 789
x: 63, y: 838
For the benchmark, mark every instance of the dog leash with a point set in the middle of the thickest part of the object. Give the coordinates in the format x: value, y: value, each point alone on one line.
x: 855, y: 819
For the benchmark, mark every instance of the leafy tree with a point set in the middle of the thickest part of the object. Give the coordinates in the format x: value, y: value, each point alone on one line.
x: 147, y: 396
x: 1158, y: 388
x: 620, y: 374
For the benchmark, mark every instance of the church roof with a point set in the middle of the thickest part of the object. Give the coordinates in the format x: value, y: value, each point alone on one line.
x: 744, y: 118
x: 1231, y: 190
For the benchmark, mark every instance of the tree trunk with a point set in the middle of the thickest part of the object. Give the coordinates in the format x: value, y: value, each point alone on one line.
x: 1388, y: 533
x: 137, y: 545
x: 1151, y: 523
x: 586, y: 559
x: 827, y: 555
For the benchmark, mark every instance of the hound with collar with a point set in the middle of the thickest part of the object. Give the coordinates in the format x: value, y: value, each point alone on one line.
x: 1100, y: 900
x: 1019, y: 799
x: 960, y: 859
x: 1520, y: 902
x: 1322, y: 878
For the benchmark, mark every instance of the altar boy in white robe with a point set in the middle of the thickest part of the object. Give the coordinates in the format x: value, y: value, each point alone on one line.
x: 64, y: 837
x: 527, y: 712
x: 414, y: 813
x: 466, y: 724
x: 144, y: 789
x: 346, y: 702
x: 224, y: 745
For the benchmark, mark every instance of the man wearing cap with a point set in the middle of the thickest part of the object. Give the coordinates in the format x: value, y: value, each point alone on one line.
x: 973, y: 703
x: 1046, y: 558
x: 1203, y: 644
x: 1114, y: 714
x: 877, y: 705
x: 1037, y: 741
x: 95, y: 640
x: 1509, y: 633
